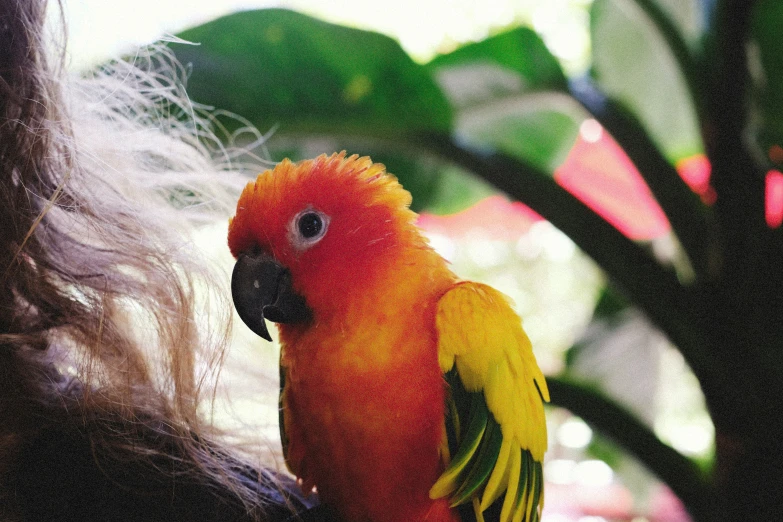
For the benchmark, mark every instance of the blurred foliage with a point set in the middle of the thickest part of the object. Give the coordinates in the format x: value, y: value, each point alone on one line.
x: 669, y: 79
x: 520, y: 50
x: 276, y: 66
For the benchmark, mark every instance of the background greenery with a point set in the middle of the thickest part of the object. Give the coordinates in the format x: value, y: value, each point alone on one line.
x: 669, y: 79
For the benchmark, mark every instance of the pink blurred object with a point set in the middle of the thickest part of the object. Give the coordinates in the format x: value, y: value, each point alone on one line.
x: 573, y: 502
x: 696, y: 171
x: 611, y: 502
x: 774, y: 199
x: 599, y: 173
x: 666, y: 507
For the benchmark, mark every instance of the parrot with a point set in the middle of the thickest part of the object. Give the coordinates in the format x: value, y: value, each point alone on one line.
x: 406, y: 393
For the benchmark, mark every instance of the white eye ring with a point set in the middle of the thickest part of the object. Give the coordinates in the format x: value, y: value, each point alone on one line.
x: 307, y: 228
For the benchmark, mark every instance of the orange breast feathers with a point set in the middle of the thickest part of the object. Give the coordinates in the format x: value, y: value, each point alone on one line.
x: 364, y: 408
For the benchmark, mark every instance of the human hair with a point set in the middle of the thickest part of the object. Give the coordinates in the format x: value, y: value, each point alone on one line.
x: 112, y: 328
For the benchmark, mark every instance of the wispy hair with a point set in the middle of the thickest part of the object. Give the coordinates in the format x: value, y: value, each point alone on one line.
x: 108, y: 313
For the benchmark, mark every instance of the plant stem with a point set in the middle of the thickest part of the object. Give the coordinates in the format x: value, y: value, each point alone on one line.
x: 690, y: 219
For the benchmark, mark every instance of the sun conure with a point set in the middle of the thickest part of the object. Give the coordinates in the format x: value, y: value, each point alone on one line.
x: 406, y: 393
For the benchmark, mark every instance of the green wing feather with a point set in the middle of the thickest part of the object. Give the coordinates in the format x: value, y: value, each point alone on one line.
x: 495, y: 426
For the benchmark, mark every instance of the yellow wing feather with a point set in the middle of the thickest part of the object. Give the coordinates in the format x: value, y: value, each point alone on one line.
x: 480, y: 334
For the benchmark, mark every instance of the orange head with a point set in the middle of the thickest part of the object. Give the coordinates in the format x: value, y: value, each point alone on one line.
x: 331, y: 224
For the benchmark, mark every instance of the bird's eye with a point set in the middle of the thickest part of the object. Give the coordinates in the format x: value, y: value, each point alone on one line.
x: 308, y: 228
x: 310, y: 225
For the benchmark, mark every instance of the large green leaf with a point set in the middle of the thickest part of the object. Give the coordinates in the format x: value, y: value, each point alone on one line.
x: 519, y: 50
x: 688, y: 16
x: 542, y: 136
x: 633, y: 64
x: 507, y: 94
x: 766, y: 63
x: 276, y: 66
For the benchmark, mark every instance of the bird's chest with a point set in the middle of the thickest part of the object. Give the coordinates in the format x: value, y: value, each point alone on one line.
x: 365, y: 378
x: 369, y: 409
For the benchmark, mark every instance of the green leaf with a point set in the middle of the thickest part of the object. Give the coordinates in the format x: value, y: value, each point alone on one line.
x: 536, y: 133
x: 688, y: 16
x: 275, y: 66
x: 766, y: 65
x: 520, y: 51
x: 458, y: 190
x: 507, y: 90
x: 633, y: 64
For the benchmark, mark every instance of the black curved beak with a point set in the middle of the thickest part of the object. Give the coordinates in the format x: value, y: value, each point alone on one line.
x: 261, y: 289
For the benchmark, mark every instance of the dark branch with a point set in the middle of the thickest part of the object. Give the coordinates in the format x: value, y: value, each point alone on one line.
x: 690, y: 219
x: 738, y: 181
